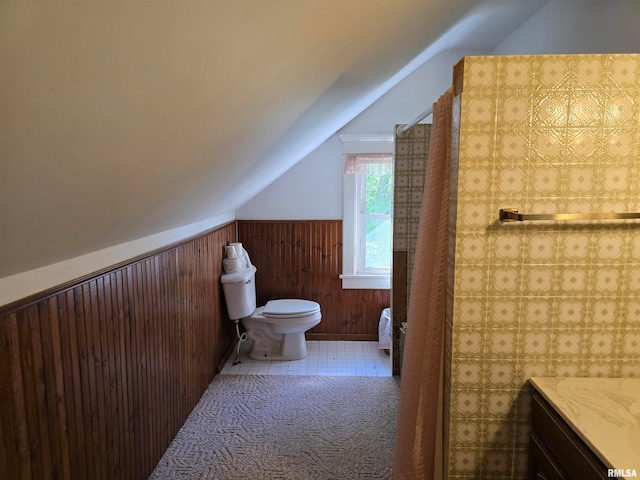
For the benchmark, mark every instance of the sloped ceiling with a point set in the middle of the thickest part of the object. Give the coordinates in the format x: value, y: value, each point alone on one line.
x: 125, y: 118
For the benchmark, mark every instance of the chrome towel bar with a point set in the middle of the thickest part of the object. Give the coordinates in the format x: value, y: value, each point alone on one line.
x: 512, y: 215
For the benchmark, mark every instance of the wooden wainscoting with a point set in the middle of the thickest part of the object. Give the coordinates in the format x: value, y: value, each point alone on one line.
x: 96, y: 377
x: 303, y: 259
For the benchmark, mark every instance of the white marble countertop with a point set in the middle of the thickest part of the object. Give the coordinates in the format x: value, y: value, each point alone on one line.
x: 604, y: 412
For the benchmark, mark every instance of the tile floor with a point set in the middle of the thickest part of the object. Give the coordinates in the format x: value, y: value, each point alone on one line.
x: 335, y: 358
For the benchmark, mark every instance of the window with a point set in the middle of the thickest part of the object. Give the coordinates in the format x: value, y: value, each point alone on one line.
x: 368, y: 211
x: 374, y: 197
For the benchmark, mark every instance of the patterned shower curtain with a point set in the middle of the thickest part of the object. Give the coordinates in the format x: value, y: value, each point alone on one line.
x: 418, y: 447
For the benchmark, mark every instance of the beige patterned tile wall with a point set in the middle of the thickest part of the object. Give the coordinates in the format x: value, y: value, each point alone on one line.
x: 410, y: 165
x: 544, y: 134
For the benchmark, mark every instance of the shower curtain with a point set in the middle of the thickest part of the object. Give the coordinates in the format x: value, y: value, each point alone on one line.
x: 418, y: 447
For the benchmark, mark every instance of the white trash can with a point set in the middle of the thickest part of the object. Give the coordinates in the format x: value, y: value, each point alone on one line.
x: 384, y: 330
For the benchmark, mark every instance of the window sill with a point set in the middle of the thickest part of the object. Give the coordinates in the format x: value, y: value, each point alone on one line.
x: 366, y: 282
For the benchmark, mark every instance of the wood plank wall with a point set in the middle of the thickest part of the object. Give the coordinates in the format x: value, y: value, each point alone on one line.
x: 97, y: 377
x: 303, y: 259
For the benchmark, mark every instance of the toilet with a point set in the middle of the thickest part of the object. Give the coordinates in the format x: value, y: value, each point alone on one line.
x: 277, y: 330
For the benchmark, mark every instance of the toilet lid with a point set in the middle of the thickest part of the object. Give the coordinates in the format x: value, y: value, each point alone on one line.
x: 289, y: 308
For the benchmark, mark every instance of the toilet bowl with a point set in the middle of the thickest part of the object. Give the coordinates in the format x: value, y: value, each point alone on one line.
x: 276, y: 330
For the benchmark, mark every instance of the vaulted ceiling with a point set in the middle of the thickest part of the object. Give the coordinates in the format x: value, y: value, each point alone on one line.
x: 125, y: 118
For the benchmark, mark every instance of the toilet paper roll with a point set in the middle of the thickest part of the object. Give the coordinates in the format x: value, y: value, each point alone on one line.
x: 239, y: 249
x: 241, y: 254
x: 231, y: 265
x: 231, y: 252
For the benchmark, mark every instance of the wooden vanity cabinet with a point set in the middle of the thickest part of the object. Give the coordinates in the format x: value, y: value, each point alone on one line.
x: 556, y: 452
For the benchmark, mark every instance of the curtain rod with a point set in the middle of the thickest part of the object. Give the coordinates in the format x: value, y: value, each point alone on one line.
x: 402, y: 131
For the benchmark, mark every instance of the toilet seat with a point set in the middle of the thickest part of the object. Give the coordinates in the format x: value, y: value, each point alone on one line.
x: 290, y: 308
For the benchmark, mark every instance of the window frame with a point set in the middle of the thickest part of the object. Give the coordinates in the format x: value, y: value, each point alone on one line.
x: 352, y: 276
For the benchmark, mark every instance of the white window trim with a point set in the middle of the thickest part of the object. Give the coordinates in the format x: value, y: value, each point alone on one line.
x: 351, y: 279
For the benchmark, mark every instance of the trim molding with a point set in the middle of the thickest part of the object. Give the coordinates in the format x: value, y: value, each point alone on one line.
x: 367, y: 143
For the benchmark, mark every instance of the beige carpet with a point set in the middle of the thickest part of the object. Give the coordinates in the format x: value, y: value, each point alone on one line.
x: 287, y: 427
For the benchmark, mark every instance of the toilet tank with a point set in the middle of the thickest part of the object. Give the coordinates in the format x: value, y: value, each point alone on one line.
x: 240, y: 292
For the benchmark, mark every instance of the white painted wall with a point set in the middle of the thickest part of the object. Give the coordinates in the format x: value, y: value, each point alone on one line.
x: 312, y: 189
x: 577, y: 26
x: 15, y: 287
x: 412, y: 96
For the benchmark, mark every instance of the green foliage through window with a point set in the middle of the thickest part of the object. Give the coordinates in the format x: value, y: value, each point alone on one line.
x: 378, y: 211
x: 379, y: 197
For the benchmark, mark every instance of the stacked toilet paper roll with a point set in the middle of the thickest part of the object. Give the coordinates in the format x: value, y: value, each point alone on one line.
x: 236, y: 259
